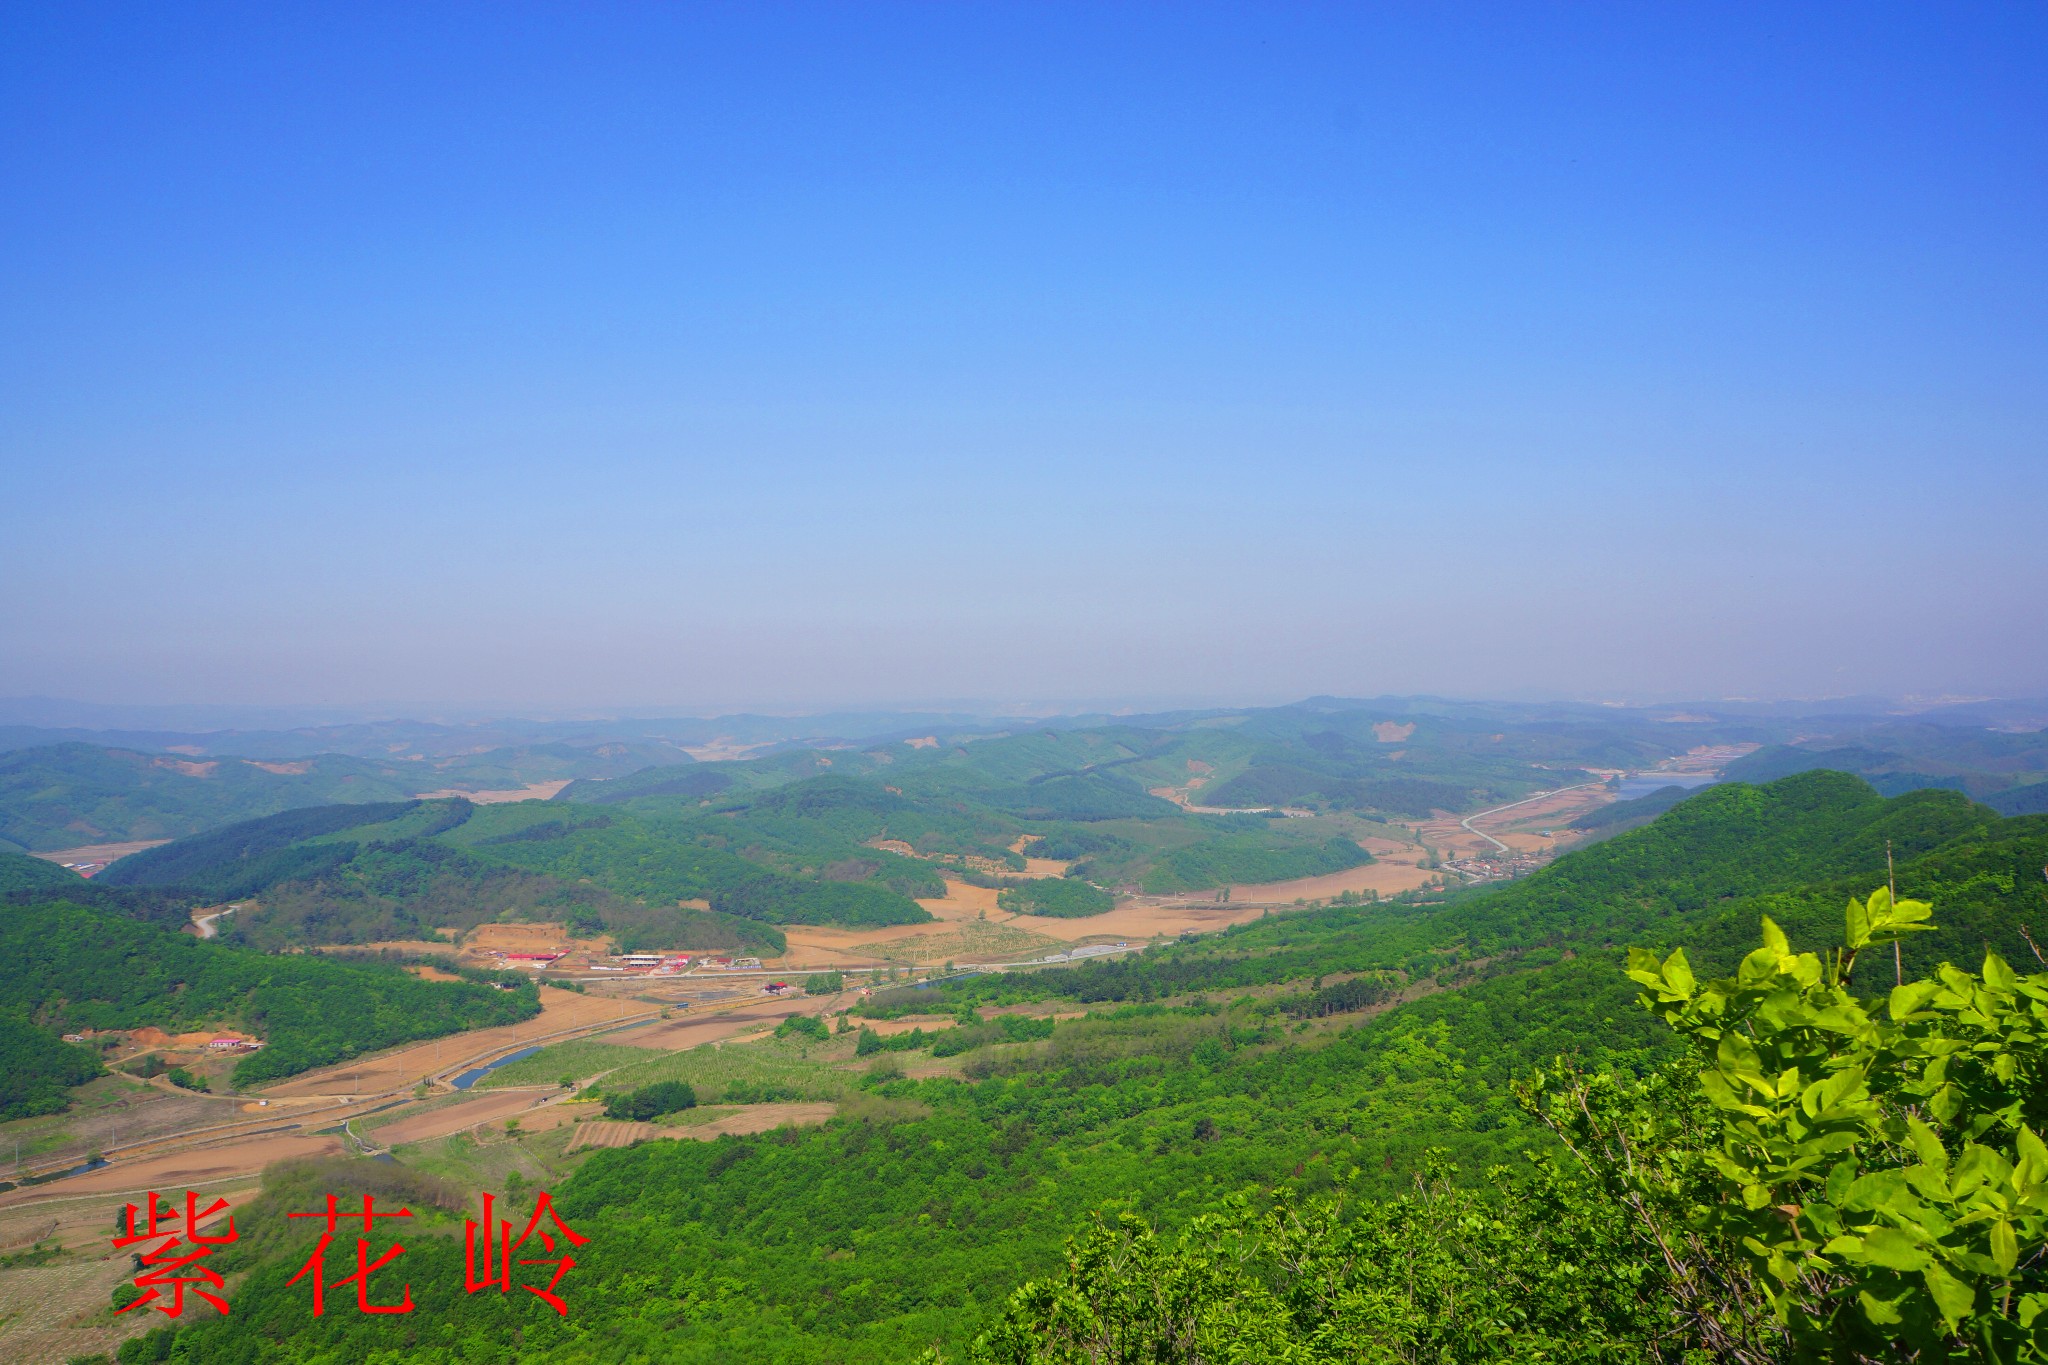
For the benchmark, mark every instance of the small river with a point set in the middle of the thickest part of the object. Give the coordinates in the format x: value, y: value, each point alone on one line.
x: 470, y: 1078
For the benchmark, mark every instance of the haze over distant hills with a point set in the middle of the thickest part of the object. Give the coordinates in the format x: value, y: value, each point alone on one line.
x: 74, y: 785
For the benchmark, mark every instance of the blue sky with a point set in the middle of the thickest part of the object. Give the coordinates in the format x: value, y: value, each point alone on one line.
x: 541, y: 356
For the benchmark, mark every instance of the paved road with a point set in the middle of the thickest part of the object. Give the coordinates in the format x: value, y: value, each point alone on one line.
x: 205, y: 923
x: 1525, y: 801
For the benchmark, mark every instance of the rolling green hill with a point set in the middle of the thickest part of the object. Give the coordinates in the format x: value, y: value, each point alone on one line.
x: 360, y: 874
x: 74, y: 794
x: 19, y: 872
x: 1304, y: 1053
x: 76, y: 968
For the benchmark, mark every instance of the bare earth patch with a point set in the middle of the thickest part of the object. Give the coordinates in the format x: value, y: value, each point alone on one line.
x: 962, y: 901
x: 748, y: 1118
x: 1388, y: 877
x: 687, y: 1032
x: 101, y: 854
x: 180, y: 1169
x: 491, y: 1106
x: 533, y: 791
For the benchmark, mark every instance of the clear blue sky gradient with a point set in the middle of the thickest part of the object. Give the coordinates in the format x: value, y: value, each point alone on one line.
x: 581, y: 355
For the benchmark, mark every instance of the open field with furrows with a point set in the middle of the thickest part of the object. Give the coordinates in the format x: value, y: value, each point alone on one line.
x: 738, y: 1121
x: 188, y: 1169
x: 408, y: 1066
x: 62, y: 1311
x: 609, y: 1133
x: 444, y: 1117
x: 686, y: 1031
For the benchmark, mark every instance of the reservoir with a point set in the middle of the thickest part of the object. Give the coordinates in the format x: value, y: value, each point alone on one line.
x: 1642, y: 784
x: 470, y: 1078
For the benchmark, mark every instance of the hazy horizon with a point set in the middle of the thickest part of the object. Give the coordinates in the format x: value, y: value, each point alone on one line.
x: 58, y: 714
x: 535, y: 359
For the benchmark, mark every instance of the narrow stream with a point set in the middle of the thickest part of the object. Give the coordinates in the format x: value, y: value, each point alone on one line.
x: 470, y: 1078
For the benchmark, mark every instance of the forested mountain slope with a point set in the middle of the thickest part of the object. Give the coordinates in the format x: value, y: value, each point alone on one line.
x: 19, y: 872
x: 74, y: 794
x: 829, y: 849
x: 73, y: 968
x: 1284, y: 1055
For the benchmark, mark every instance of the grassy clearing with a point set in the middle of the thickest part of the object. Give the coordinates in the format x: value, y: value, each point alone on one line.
x: 795, y: 1068
x: 462, y: 1160
x: 972, y: 941
x: 581, y: 1058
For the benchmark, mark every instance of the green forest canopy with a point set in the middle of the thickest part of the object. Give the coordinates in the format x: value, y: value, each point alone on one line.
x: 73, y: 968
x: 867, y: 1240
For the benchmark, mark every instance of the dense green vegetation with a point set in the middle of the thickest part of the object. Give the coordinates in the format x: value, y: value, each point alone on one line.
x: 1635, y: 811
x: 1901, y: 756
x: 361, y: 874
x: 70, y: 794
x: 1823, y: 1178
x: 1071, y: 843
x: 651, y: 1101
x: 74, y: 968
x: 1255, y: 1060
x: 2031, y: 799
x: 1249, y: 856
x: 37, y: 1068
x: 824, y: 849
x: 242, y: 858
x: 21, y: 873
x: 1061, y: 897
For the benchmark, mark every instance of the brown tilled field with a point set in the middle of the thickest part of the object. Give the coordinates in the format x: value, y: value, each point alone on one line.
x: 971, y: 940
x: 197, y: 1166
x: 755, y: 1118
x: 1387, y: 876
x: 608, y: 1133
x: 961, y: 901
x: 687, y: 1031
x: 1140, y: 919
x: 491, y: 1106
x: 745, y: 1119
x: 885, y: 1027
x: 518, y: 938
